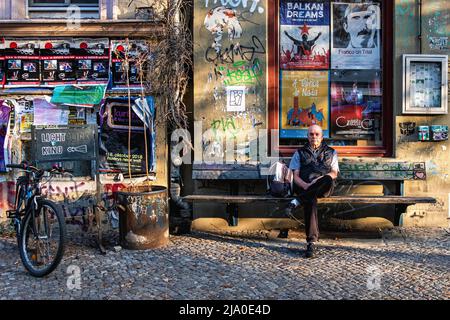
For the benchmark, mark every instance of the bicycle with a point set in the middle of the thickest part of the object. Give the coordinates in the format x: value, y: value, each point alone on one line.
x: 37, y: 221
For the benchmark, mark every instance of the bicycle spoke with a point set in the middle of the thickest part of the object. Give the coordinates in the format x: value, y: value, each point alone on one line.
x: 41, y: 251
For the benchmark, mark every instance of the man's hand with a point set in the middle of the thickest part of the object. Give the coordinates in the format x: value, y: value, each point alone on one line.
x: 314, y: 181
x: 298, y: 181
x: 306, y: 186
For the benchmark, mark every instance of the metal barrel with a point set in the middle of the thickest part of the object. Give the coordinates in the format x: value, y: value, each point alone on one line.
x: 144, y: 218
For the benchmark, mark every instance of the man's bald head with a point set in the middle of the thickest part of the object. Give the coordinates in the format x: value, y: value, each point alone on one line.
x: 315, y: 136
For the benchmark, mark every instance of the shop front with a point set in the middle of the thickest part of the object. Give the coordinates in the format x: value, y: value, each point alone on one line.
x: 79, y: 97
x: 372, y: 74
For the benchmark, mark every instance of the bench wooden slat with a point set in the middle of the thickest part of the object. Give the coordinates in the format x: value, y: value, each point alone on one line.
x: 333, y: 199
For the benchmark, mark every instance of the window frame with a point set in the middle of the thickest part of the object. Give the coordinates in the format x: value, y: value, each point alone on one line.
x: 387, y: 32
x: 35, y: 10
x: 33, y: 4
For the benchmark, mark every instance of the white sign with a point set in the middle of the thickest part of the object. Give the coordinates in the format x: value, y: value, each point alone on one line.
x: 236, y: 98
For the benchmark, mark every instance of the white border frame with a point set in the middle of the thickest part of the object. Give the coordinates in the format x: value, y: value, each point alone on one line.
x: 407, y: 59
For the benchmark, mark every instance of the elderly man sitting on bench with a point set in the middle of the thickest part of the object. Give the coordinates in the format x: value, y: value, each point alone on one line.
x: 315, y: 167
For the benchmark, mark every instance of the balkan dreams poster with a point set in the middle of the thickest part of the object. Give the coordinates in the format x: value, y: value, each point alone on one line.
x: 356, y: 36
x: 356, y: 104
x: 304, y: 102
x: 304, y: 35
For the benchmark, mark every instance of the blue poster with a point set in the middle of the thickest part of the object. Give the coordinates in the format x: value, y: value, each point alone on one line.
x: 299, y: 13
x: 304, y: 35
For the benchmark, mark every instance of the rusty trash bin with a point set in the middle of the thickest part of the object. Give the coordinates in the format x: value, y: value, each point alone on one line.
x: 143, y: 218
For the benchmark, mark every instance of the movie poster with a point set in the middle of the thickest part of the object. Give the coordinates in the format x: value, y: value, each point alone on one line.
x: 138, y: 54
x: 304, y: 35
x: 58, y: 62
x: 355, y: 104
x: 304, y: 102
x: 5, y: 109
x: 356, y: 39
x: 22, y: 62
x: 92, y: 57
x: 114, y: 138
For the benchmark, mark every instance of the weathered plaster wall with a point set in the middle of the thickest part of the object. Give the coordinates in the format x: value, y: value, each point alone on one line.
x: 434, y: 29
x: 229, y: 56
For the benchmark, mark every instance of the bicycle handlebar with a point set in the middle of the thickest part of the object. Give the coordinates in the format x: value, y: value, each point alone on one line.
x: 25, y: 166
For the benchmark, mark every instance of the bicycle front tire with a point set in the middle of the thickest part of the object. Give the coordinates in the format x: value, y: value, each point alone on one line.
x: 47, y: 210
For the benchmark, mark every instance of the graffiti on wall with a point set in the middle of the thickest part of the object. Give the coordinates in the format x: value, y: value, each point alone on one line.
x: 230, y: 70
x: 383, y: 171
x: 406, y: 26
x: 435, y: 26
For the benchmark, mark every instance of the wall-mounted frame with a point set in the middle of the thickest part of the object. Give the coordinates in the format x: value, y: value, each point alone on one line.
x: 425, y: 84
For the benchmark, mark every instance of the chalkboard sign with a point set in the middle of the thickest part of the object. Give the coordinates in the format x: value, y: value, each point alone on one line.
x: 65, y: 143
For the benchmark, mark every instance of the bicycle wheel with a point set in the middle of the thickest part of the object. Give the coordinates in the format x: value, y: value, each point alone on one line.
x: 42, y: 239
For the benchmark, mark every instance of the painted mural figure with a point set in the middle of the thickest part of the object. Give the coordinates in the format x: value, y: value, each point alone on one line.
x: 219, y: 19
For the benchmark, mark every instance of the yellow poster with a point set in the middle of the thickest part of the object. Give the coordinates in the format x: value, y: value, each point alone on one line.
x: 304, y: 102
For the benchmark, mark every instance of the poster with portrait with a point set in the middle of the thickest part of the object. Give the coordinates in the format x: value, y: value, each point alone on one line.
x: 137, y: 52
x: 355, y: 104
x: 22, y: 62
x: 57, y: 61
x: 304, y: 102
x: 304, y: 35
x: 356, y: 38
x: 92, y: 57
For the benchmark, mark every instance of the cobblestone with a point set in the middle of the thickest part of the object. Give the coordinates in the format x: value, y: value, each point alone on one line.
x: 408, y: 263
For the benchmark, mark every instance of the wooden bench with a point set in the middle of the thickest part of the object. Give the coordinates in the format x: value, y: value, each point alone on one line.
x: 401, y: 202
x: 350, y: 170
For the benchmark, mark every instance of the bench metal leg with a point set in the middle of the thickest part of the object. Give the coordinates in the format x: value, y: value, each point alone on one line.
x: 399, y: 210
x: 232, y: 208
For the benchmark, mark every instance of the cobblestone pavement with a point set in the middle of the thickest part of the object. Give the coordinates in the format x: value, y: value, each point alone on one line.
x: 403, y: 264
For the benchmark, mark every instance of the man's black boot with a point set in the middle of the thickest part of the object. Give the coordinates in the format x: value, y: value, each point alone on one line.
x: 310, y: 250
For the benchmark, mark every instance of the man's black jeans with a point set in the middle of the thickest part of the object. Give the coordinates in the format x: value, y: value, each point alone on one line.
x: 308, y: 198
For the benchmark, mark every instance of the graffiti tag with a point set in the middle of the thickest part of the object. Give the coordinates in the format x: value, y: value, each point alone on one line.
x: 240, y: 73
x: 238, y: 3
x: 228, y: 55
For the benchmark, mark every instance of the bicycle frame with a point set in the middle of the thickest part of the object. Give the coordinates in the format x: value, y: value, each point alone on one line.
x: 28, y: 192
